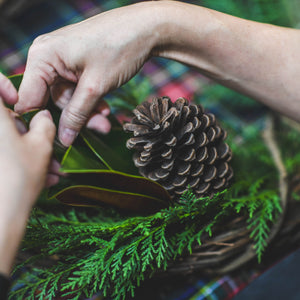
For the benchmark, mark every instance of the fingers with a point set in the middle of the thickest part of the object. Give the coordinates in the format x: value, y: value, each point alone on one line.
x: 41, y: 134
x: 99, y: 122
x: 51, y: 179
x: 21, y: 127
x: 54, y: 173
x: 62, y: 92
x: 7, y: 126
x: 10, y: 124
x: 54, y: 168
x: 42, y: 124
x: 103, y: 108
x: 38, y: 75
x: 33, y: 92
x: 76, y: 113
x: 7, y: 91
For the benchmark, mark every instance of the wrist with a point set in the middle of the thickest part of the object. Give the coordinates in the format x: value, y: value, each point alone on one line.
x: 183, y: 30
x: 193, y: 35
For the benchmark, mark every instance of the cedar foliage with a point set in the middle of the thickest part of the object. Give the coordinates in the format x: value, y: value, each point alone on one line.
x: 105, y: 250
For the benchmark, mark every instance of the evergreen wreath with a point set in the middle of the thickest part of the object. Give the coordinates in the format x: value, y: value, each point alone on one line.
x: 76, y: 253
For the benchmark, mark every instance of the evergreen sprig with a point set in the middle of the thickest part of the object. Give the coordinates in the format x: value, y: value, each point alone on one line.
x: 115, y: 256
x: 92, y: 250
x: 103, y: 250
x: 113, y: 259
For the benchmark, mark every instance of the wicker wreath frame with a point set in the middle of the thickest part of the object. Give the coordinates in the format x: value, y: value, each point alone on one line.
x: 231, y: 246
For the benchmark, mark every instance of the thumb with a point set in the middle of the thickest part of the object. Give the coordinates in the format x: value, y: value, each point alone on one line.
x: 41, y: 133
x: 7, y: 90
x: 75, y: 115
x: 33, y: 91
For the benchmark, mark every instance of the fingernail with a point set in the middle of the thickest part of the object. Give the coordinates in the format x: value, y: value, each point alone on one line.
x: 68, y: 136
x: 46, y: 113
x: 20, y: 126
x: 105, y: 112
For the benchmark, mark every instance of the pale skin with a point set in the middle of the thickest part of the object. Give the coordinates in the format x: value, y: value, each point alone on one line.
x: 80, y: 63
x: 24, y: 160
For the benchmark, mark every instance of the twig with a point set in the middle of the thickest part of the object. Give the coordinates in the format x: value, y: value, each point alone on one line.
x: 291, y: 123
x: 269, y: 138
x: 270, y: 141
x: 242, y: 250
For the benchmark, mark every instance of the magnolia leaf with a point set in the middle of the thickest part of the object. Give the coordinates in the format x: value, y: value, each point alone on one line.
x: 90, y: 196
x: 26, y: 117
x: 111, y: 148
x: 90, y: 183
x: 16, y: 80
x: 79, y: 157
x: 98, y: 168
x: 103, y: 187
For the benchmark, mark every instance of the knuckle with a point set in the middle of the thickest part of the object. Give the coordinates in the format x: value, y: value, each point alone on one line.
x: 75, y: 117
x: 40, y: 45
x: 40, y: 39
x: 92, y: 91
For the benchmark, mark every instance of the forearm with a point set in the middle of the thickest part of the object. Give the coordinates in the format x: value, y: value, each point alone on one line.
x: 11, y: 233
x: 259, y: 60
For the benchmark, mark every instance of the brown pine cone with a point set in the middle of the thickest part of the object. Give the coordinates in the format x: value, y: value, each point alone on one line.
x: 180, y: 146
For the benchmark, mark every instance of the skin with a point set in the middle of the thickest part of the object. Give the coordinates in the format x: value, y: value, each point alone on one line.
x: 24, y: 160
x: 86, y: 60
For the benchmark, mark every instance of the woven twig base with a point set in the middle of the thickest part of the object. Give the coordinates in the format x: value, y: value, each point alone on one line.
x: 231, y: 247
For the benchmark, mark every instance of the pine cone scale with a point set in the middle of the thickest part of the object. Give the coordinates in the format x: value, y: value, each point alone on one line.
x: 212, y: 156
x: 198, y: 170
x: 202, y: 154
x: 184, y: 169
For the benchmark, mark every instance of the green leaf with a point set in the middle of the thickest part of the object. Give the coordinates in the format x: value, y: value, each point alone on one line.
x: 93, y: 163
x: 102, y: 187
x: 16, y: 80
x: 79, y: 157
x: 111, y: 148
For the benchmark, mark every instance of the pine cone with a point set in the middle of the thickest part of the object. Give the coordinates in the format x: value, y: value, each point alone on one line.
x: 180, y: 146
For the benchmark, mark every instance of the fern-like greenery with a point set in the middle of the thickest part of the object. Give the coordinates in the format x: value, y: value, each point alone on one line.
x: 114, y: 256
x: 108, y: 251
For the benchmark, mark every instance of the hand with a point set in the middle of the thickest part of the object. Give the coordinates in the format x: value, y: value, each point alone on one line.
x: 24, y: 160
x: 80, y: 63
x: 7, y: 90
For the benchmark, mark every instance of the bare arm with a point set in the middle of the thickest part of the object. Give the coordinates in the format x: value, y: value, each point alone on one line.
x: 259, y: 60
x: 80, y: 63
x: 24, y: 159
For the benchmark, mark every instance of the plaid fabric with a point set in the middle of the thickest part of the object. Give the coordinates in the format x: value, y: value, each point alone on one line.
x: 197, y: 287
x: 167, y: 77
